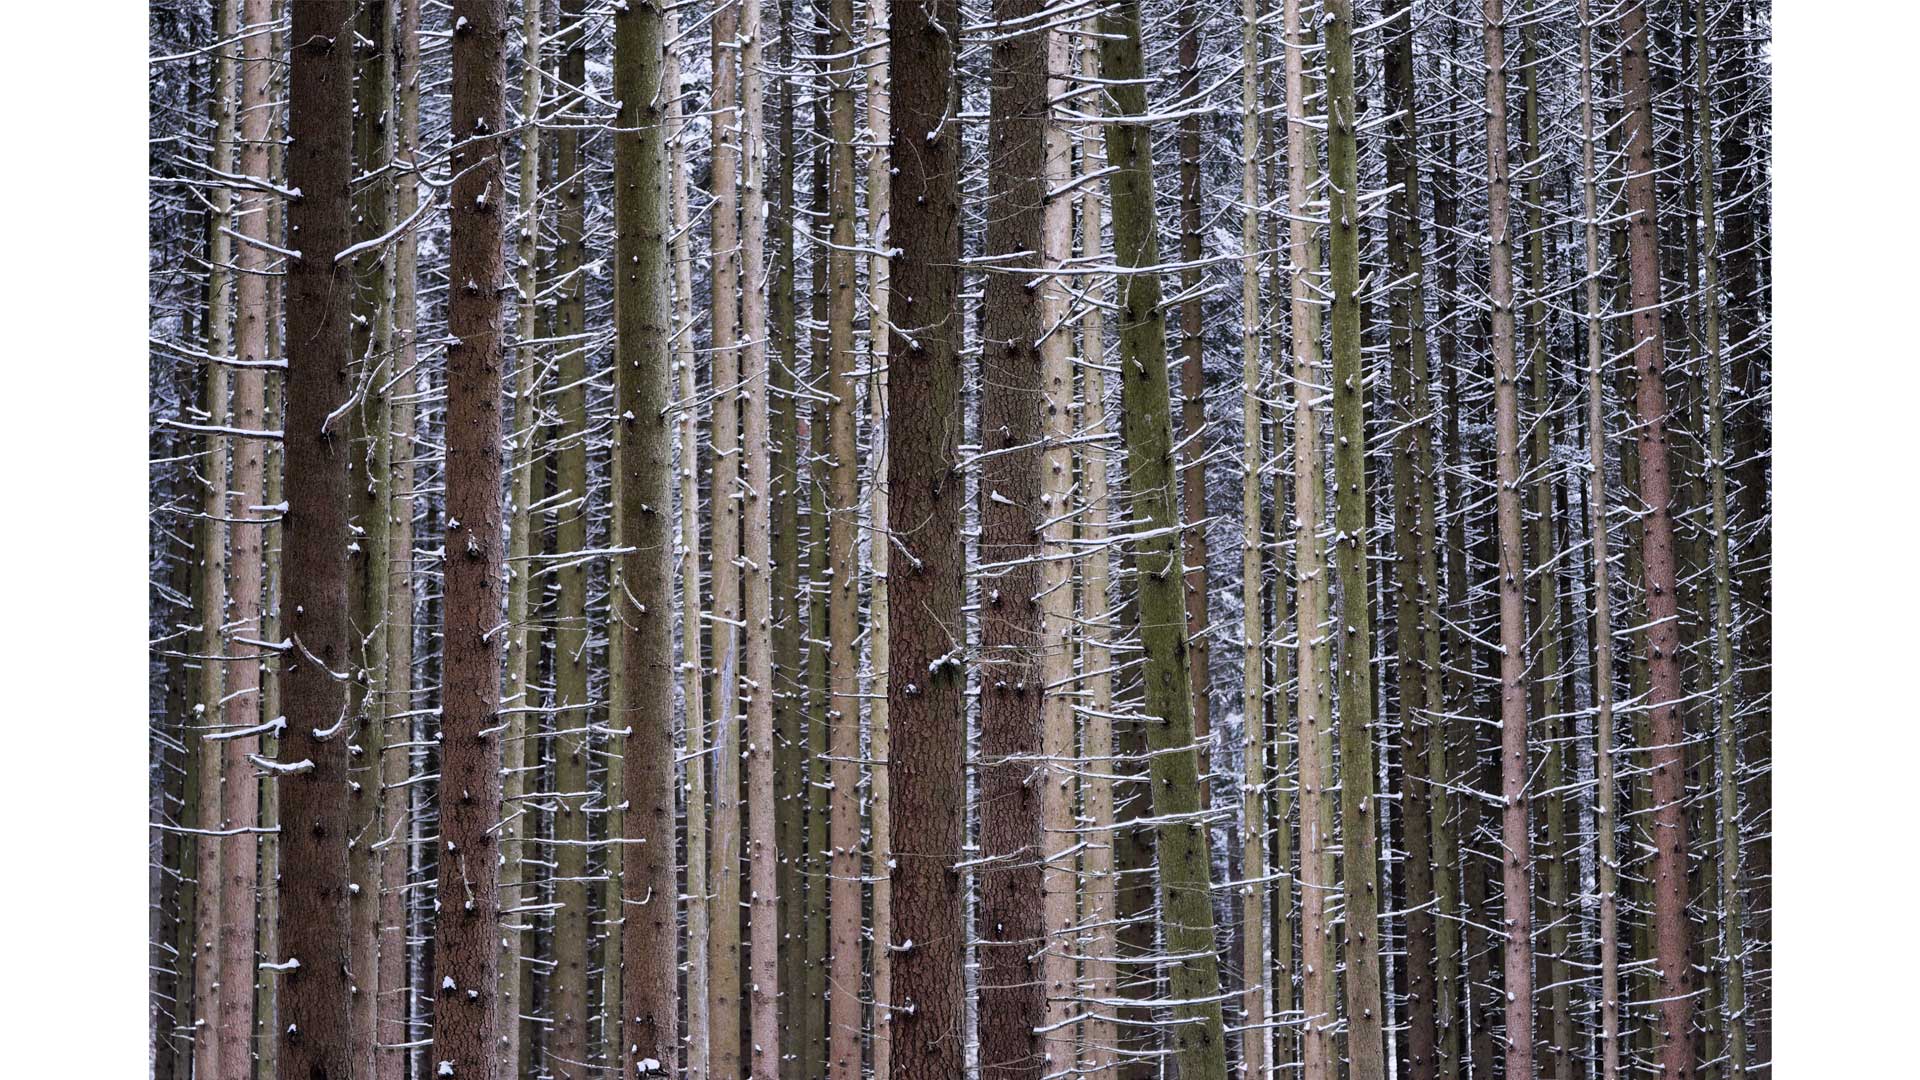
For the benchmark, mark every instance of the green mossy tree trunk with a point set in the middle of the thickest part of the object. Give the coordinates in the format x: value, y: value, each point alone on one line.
x: 1186, y: 907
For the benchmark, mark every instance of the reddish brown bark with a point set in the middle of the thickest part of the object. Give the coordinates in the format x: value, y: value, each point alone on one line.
x: 1011, y: 915
x: 926, y: 675
x: 315, y: 1040
x: 1670, y: 927
x: 466, y: 953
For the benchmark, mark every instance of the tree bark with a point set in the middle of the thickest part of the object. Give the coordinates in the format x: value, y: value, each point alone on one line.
x: 247, y: 513
x: 926, y: 675
x: 1354, y: 633
x: 1186, y: 908
x: 1416, y: 633
x: 1099, y: 899
x: 840, y: 576
x: 210, y: 1006
x: 647, y: 1031
x: 1515, y: 855
x: 1606, y: 862
x: 1319, y: 1056
x: 1010, y: 919
x: 880, y: 546
x: 1673, y: 985
x: 523, y: 635
x: 723, y: 857
x: 1193, y: 403
x: 567, y: 1039
x: 466, y: 954
x: 1255, y: 1038
x: 313, y: 1027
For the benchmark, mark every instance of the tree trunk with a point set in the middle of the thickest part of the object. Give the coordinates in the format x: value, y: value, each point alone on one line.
x: 1059, y: 963
x: 1606, y: 864
x: 1319, y: 1056
x: 1354, y: 631
x: 1010, y: 918
x: 842, y: 715
x: 246, y: 512
x: 648, y: 1029
x: 1416, y: 633
x: 691, y: 677
x: 1193, y: 403
x: 567, y: 1039
x: 1516, y: 841
x: 791, y: 789
x: 1186, y: 907
x: 369, y: 431
x: 1733, y: 916
x: 723, y: 858
x: 1099, y: 900
x: 210, y: 1005
x: 466, y: 956
x: 879, y: 618
x: 926, y: 675
x: 757, y: 591
x: 1669, y: 871
x: 523, y: 635
x: 313, y: 1027
x: 1255, y: 1038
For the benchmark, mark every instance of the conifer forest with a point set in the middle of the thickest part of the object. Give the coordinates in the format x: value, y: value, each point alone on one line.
x: 959, y: 539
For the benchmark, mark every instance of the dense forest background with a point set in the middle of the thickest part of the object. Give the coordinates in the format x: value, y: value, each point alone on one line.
x: 830, y: 539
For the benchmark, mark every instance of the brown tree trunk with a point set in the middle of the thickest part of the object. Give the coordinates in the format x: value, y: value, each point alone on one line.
x: 1010, y: 919
x: 647, y: 1027
x: 926, y: 676
x: 246, y: 513
x: 842, y: 717
x: 313, y: 1027
x: 1515, y: 848
x: 466, y: 954
x: 1671, y: 927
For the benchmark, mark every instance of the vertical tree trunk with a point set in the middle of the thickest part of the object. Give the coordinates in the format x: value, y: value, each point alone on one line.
x: 1318, y: 986
x: 647, y: 1031
x: 1193, y: 401
x: 368, y: 433
x: 723, y: 858
x: 1254, y: 1039
x: 466, y: 954
x: 879, y: 601
x: 1010, y: 918
x: 1413, y: 545
x: 1606, y: 864
x: 1186, y: 908
x: 1284, y: 772
x: 926, y: 676
x: 756, y: 590
x: 1555, y: 1020
x: 567, y: 1004
x: 691, y: 676
x: 247, y: 513
x: 523, y: 643
x: 1516, y: 841
x: 1059, y: 962
x: 313, y: 1027
x: 1354, y: 629
x: 267, y: 917
x: 1724, y: 695
x: 389, y: 1060
x: 1669, y: 870
x: 790, y: 629
x: 1099, y: 906
x: 210, y: 1006
x: 840, y: 572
